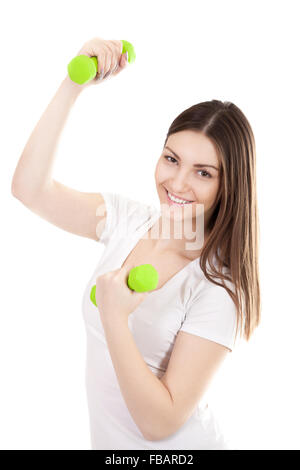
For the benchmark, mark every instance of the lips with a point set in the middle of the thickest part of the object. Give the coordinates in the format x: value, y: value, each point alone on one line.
x: 179, y: 197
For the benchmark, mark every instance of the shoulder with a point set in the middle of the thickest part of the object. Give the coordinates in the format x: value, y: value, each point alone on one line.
x: 118, y: 202
x: 212, y: 297
x: 211, y: 312
x: 125, y: 214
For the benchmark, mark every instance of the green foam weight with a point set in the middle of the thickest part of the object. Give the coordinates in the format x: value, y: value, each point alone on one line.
x: 141, y: 279
x: 82, y: 69
x: 93, y: 295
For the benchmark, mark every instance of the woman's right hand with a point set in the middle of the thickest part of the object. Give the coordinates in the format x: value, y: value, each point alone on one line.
x: 109, y: 55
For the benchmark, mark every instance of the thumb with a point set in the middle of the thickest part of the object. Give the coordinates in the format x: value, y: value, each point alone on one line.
x: 124, y: 59
x: 122, y: 63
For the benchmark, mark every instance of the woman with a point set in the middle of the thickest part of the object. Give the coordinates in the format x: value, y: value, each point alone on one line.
x: 151, y: 356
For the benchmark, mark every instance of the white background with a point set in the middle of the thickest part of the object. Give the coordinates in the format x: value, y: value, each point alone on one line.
x: 186, y: 52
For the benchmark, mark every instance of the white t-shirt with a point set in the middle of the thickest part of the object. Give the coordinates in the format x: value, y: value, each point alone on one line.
x: 187, y: 302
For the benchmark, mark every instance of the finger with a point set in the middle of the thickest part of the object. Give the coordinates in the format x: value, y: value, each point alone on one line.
x: 102, y: 62
x: 103, y: 65
x: 110, y: 59
x: 118, y: 57
x: 119, y: 46
x: 111, y: 63
x: 100, y: 71
x: 100, y: 75
x: 121, y: 65
x: 95, y: 52
x: 114, y: 69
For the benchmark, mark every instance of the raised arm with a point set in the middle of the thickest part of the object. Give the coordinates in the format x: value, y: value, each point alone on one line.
x: 33, y: 183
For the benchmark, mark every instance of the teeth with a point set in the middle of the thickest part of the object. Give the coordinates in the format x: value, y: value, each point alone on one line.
x: 179, y: 201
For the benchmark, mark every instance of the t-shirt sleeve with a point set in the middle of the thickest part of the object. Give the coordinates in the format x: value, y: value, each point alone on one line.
x: 212, y: 316
x: 121, y: 214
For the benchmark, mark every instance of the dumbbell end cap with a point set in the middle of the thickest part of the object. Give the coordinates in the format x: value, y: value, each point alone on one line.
x: 82, y: 69
x: 93, y: 295
x: 143, y: 278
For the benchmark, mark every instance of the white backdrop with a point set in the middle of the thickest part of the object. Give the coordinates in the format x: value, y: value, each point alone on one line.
x: 186, y: 52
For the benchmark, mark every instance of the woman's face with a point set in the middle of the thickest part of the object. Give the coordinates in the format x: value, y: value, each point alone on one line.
x: 176, y: 172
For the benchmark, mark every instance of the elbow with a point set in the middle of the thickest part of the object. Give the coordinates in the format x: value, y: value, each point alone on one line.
x: 160, y: 435
x: 164, y: 430
x: 16, y: 186
x: 17, y: 193
x: 14, y: 190
x: 20, y: 193
x: 149, y: 437
x: 157, y: 437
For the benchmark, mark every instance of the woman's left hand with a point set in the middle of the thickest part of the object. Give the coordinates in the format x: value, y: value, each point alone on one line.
x: 113, y: 296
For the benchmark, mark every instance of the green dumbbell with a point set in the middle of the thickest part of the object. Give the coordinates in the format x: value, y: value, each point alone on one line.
x: 82, y: 68
x: 141, y: 279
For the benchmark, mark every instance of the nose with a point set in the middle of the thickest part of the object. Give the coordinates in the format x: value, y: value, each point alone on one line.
x: 179, y: 185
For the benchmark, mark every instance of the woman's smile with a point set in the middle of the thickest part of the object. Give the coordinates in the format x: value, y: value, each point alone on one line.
x: 172, y: 200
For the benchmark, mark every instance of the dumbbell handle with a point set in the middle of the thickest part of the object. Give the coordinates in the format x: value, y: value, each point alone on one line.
x: 82, y: 69
x: 140, y: 279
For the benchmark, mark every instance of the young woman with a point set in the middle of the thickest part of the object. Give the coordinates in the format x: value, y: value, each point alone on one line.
x: 151, y: 356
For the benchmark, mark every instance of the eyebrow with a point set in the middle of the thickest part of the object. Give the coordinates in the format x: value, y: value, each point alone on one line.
x: 197, y: 165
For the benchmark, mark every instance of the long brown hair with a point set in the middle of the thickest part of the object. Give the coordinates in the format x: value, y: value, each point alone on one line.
x: 234, y: 225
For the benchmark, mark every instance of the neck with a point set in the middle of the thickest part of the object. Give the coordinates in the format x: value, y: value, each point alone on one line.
x: 185, y: 238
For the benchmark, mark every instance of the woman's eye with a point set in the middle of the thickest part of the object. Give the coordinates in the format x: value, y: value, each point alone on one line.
x: 207, y: 175
x: 168, y: 156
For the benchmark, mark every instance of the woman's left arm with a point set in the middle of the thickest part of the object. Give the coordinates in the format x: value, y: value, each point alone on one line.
x: 159, y: 407
x: 148, y: 400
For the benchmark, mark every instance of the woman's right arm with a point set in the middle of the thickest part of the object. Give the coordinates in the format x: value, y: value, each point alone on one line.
x: 34, y: 169
x: 33, y: 184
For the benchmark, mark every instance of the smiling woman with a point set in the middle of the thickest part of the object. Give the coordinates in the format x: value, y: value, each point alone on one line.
x: 150, y: 360
x: 180, y: 182
x: 217, y: 137
x: 149, y: 392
